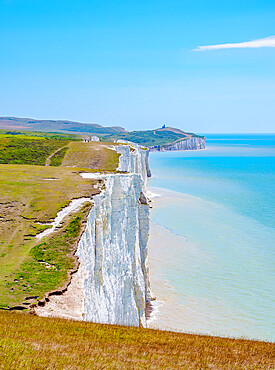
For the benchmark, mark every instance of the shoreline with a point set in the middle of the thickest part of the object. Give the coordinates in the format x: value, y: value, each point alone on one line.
x: 183, y: 311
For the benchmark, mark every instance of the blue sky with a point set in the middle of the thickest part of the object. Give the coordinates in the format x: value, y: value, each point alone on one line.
x: 132, y: 63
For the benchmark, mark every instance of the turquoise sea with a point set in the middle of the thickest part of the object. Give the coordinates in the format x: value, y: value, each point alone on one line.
x: 215, y: 211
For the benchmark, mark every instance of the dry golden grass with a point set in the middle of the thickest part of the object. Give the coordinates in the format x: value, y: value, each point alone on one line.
x: 95, y: 155
x: 31, y: 342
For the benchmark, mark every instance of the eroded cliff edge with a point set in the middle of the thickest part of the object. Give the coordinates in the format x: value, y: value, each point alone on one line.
x: 112, y: 285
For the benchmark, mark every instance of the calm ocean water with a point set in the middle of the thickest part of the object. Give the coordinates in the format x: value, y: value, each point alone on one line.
x: 216, y: 211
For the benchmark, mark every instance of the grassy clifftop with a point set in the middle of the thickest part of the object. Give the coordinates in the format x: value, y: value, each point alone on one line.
x: 30, y: 197
x: 150, y: 138
x: 30, y: 342
x: 29, y: 147
x: 39, y: 174
x: 95, y: 155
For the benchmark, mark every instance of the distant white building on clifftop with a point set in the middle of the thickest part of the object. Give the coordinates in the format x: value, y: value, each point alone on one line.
x: 91, y: 138
x: 94, y: 138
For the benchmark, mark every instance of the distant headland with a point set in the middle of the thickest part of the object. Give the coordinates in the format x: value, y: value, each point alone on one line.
x: 160, y: 139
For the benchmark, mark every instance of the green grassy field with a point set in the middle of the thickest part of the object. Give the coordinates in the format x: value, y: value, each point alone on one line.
x: 30, y: 342
x: 29, y: 149
x: 49, y: 135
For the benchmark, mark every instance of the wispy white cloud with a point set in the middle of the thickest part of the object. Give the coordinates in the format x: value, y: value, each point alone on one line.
x: 267, y: 42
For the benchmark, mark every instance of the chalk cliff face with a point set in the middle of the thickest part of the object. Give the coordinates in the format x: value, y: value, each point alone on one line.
x: 188, y: 144
x: 113, y: 248
x: 134, y: 159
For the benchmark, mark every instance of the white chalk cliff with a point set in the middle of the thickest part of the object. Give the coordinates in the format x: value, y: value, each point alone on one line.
x: 112, y: 282
x: 134, y: 159
x: 193, y: 143
x: 113, y: 248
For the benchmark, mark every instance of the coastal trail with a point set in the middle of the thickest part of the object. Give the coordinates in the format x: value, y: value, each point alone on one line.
x: 48, y: 160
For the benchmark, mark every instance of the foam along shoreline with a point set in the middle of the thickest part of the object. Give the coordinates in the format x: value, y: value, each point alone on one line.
x: 196, y: 290
x: 73, y: 206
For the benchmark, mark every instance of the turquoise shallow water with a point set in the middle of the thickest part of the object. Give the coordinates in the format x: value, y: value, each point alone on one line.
x: 219, y: 204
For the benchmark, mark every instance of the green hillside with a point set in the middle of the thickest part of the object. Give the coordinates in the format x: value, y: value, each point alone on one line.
x: 151, y: 138
x: 15, y: 123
